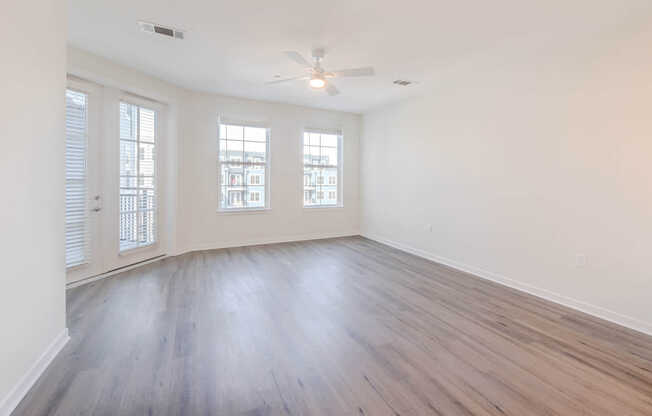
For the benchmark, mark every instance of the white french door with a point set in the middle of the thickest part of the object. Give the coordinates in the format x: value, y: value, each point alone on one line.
x: 83, y: 167
x: 112, y: 187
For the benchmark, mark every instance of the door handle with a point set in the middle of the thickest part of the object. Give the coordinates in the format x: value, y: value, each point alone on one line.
x: 98, y: 204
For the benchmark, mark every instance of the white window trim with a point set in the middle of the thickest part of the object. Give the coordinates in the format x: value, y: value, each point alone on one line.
x: 267, y: 164
x: 340, y: 169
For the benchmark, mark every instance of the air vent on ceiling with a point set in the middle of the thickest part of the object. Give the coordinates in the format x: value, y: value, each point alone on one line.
x: 403, y: 83
x: 161, y: 30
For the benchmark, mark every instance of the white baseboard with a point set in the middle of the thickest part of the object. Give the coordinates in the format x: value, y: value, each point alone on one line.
x: 214, y: 246
x: 261, y: 241
x: 597, y: 311
x: 110, y: 273
x: 15, y: 395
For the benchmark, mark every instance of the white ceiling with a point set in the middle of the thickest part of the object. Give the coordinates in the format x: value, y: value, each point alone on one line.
x: 234, y: 47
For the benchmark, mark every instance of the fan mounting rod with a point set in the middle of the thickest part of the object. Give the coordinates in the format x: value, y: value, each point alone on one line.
x: 318, y: 54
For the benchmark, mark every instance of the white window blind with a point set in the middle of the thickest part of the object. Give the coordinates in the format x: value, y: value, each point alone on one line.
x: 322, y: 154
x: 138, y: 208
x: 243, y: 167
x: 77, y: 233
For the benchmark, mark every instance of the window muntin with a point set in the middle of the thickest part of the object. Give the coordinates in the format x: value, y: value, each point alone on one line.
x: 243, y: 159
x: 321, y: 169
x: 138, y: 207
x: 77, y: 232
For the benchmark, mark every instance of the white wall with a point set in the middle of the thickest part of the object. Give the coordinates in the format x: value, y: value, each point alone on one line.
x: 201, y: 226
x: 522, y: 158
x: 192, y: 163
x: 32, y: 81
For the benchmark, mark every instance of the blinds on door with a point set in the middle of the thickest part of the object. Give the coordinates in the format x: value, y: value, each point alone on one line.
x: 77, y: 231
x: 137, y: 176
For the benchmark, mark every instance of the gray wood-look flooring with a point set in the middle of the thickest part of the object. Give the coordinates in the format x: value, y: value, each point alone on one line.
x: 333, y: 327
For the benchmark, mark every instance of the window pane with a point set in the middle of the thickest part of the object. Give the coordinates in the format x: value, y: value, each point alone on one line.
x: 146, y: 182
x: 233, y: 174
x: 234, y: 197
x: 128, y: 181
x: 137, y: 176
x: 234, y: 186
x: 310, y: 197
x: 242, y: 184
x: 234, y: 150
x: 311, y: 187
x: 128, y: 230
x: 255, y: 175
x: 128, y: 121
x: 255, y: 197
x: 330, y: 176
x: 222, y: 150
x: 314, y: 139
x: 223, y: 196
x: 146, y: 228
x: 255, y: 152
x: 128, y: 199
x: 128, y: 154
x: 329, y: 156
x: 75, y: 170
x: 146, y: 199
x: 234, y: 132
x: 330, y: 186
x: 320, y: 152
x: 329, y: 140
x: 312, y: 155
x: 147, y: 125
x: 256, y: 134
x: 146, y: 158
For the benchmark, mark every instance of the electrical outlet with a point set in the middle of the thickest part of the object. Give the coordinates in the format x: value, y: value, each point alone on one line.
x: 580, y: 260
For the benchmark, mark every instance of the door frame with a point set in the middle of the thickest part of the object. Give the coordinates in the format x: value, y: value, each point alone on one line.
x: 105, y: 155
x: 117, y: 258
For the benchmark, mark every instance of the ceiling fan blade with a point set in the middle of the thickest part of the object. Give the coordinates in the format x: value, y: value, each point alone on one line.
x: 331, y: 90
x: 278, y: 81
x: 354, y: 72
x: 296, y: 57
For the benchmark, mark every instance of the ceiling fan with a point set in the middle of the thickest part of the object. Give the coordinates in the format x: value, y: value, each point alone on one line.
x: 319, y: 77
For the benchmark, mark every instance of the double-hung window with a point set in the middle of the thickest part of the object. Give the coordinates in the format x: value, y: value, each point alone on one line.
x: 322, y: 168
x: 137, y: 176
x: 243, y: 160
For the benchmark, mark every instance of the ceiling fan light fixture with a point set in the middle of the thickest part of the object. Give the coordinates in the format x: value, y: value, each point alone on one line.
x: 318, y: 78
x: 317, y: 82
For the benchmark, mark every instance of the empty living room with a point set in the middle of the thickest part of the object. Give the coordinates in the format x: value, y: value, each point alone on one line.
x: 347, y: 208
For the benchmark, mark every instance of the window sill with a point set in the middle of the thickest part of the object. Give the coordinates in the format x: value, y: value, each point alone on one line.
x: 239, y: 211
x: 322, y: 207
x: 76, y: 266
x: 136, y: 250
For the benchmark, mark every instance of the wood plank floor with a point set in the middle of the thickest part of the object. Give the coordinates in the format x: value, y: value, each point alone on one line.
x: 333, y: 327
